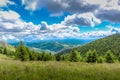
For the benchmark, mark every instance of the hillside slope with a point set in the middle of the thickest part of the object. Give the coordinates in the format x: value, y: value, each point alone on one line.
x: 55, y: 45
x: 102, y: 45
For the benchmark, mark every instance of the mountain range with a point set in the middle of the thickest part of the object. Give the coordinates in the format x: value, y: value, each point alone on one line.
x: 55, y: 45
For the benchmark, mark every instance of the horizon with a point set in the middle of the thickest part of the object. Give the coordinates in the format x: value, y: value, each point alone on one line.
x: 35, y: 20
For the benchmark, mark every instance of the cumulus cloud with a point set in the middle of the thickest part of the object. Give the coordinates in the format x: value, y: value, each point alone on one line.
x: 103, y: 9
x: 109, y: 11
x: 11, y: 24
x: 86, y: 19
x: 4, y: 3
x: 13, y: 28
x: 61, y: 5
x: 93, y: 34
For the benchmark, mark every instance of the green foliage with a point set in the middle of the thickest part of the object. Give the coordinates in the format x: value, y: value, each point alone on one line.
x: 22, y: 52
x: 119, y: 58
x: 57, y: 57
x: 102, y: 45
x: 5, y: 51
x: 32, y: 55
x: 100, y: 59
x: 1, y: 50
x: 91, y: 56
x: 74, y: 56
x: 110, y: 58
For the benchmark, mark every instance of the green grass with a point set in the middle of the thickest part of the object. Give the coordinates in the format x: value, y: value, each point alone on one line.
x: 4, y: 57
x: 52, y: 70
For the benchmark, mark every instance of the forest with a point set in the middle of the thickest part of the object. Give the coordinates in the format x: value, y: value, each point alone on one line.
x: 23, y: 53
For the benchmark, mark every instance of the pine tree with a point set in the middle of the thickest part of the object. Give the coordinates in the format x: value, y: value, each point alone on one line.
x: 100, y: 59
x: 109, y: 57
x: 57, y: 57
x: 39, y: 56
x: 119, y: 58
x: 5, y: 51
x: 22, y: 52
x: 51, y: 56
x: 62, y: 58
x: 91, y: 56
x: 74, y: 56
x: 1, y: 50
x: 32, y: 55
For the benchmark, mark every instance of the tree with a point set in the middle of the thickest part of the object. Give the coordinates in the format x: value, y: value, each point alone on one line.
x: 91, y: 56
x: 109, y: 57
x: 119, y: 58
x: 22, y: 52
x: 57, y: 56
x: 5, y: 51
x: 62, y: 57
x: 1, y: 50
x: 74, y: 56
x: 32, y: 55
x: 39, y: 56
x: 100, y: 59
x: 51, y: 56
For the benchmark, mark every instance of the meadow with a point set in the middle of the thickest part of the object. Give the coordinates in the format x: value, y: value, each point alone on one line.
x: 54, y: 70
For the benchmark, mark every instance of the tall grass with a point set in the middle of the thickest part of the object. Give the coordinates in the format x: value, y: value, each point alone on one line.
x: 52, y: 70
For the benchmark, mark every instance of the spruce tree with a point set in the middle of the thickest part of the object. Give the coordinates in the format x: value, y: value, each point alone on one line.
x: 1, y: 50
x: 32, y: 55
x: 57, y: 57
x: 5, y: 51
x: 74, y: 56
x: 100, y: 59
x: 22, y: 52
x: 109, y: 57
x: 51, y: 56
x: 91, y: 56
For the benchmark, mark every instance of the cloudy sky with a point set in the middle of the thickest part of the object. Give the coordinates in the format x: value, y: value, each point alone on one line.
x: 58, y: 19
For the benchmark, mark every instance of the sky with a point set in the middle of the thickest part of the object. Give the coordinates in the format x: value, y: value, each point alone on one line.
x: 31, y: 20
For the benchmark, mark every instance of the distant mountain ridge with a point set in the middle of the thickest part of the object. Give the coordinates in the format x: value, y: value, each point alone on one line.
x: 55, y: 45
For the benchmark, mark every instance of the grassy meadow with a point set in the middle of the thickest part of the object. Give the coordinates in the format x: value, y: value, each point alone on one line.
x: 53, y: 70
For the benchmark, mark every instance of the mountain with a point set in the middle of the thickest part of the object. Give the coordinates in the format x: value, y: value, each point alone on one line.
x: 55, y: 45
x: 101, y: 45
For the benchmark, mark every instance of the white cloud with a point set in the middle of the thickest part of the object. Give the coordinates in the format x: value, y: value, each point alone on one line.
x: 93, y: 34
x: 13, y: 28
x: 4, y: 3
x: 87, y: 19
x: 103, y: 9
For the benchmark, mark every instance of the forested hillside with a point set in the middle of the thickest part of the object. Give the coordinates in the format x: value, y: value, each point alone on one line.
x: 102, y: 45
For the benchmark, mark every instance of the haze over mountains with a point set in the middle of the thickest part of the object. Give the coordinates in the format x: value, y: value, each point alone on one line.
x: 55, y: 45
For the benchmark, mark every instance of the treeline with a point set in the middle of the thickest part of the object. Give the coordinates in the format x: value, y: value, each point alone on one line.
x: 91, y: 57
x: 23, y: 53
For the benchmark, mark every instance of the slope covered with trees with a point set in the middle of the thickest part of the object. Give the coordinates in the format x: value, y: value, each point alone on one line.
x: 111, y: 43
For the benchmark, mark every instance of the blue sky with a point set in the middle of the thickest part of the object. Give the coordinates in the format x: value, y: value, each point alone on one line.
x: 58, y: 19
